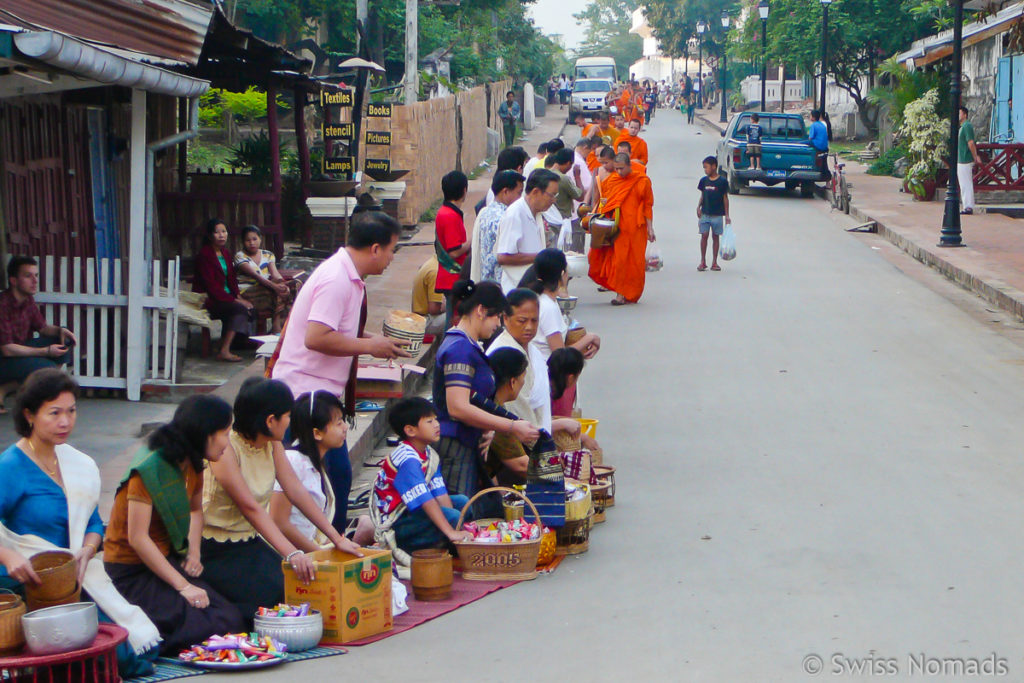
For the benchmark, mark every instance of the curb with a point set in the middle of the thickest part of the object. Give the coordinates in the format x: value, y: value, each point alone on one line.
x: 992, y: 290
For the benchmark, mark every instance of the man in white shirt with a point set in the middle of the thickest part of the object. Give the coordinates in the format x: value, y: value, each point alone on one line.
x: 521, y: 231
x: 537, y: 161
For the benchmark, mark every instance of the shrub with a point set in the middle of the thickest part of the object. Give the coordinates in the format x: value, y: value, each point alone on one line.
x: 886, y: 163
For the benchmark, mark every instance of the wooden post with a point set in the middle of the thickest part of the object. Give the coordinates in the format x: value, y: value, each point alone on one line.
x: 183, y: 147
x: 303, y: 149
x: 137, y: 280
x: 411, y: 51
x: 275, y: 164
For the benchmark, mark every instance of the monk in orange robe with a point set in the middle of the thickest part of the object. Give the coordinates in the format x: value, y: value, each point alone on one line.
x: 622, y: 267
x: 637, y: 145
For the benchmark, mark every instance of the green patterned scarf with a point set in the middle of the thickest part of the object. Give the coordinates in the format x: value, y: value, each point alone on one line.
x: 166, y: 486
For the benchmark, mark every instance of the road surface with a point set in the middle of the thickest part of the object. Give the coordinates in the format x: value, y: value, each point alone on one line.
x: 819, y: 455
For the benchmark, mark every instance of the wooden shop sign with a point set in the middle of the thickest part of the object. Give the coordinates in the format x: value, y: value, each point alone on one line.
x: 378, y: 165
x: 378, y: 137
x: 339, y: 164
x: 343, y: 98
x: 381, y: 111
x: 339, y: 131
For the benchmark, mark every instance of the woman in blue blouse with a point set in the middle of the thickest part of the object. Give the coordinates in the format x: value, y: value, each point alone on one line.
x: 462, y: 370
x: 48, y: 501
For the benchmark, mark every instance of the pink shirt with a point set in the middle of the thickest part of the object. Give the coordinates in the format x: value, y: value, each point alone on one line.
x: 333, y: 296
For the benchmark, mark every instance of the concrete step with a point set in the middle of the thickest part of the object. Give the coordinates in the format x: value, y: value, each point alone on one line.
x: 1011, y: 210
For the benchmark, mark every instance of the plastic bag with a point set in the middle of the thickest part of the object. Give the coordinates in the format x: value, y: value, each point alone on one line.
x: 399, y: 596
x: 654, y: 260
x: 727, y: 249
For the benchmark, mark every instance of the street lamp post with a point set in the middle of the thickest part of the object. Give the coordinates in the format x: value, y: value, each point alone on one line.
x: 701, y: 27
x: 951, y: 236
x: 824, y: 51
x: 762, y: 9
x: 725, y: 65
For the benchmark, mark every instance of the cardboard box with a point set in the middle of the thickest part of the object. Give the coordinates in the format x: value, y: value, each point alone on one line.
x: 353, y: 593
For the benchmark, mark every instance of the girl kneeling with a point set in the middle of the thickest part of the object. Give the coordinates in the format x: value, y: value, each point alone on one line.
x: 153, y: 539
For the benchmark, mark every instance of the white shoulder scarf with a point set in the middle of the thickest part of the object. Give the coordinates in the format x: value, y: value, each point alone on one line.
x: 82, y: 488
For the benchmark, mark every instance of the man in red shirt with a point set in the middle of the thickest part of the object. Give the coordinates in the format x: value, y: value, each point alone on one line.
x: 450, y: 241
x: 21, y: 354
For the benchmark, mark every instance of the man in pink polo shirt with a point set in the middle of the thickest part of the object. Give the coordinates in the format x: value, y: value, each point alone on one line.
x: 324, y: 335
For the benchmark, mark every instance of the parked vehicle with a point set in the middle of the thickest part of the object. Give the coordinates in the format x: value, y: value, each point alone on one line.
x: 596, y: 67
x: 589, y: 97
x: 786, y: 154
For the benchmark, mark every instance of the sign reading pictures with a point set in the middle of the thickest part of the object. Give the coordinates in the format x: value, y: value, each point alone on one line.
x: 339, y: 131
x: 378, y: 137
x: 382, y: 111
x: 343, y: 98
x: 378, y: 166
x: 339, y: 165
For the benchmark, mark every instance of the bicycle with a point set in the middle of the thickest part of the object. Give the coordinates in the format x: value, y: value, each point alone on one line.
x: 838, y: 186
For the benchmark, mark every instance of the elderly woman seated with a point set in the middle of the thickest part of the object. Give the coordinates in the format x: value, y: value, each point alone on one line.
x: 48, y: 501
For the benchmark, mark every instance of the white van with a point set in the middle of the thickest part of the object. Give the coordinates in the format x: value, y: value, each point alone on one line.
x: 596, y: 67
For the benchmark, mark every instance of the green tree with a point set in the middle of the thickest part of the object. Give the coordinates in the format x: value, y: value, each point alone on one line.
x: 607, y: 32
x: 674, y: 23
x: 861, y: 34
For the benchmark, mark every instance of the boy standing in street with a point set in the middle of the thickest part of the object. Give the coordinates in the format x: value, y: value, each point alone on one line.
x: 712, y: 211
x: 754, y: 141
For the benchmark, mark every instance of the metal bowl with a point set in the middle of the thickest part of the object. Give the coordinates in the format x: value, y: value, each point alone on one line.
x: 567, y: 304
x: 63, y: 628
x: 298, y: 633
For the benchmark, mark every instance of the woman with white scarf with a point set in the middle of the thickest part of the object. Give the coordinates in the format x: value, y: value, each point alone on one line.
x: 49, y: 502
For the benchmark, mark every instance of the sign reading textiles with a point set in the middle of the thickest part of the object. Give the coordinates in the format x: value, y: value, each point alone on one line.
x: 343, y: 98
x: 378, y: 137
x: 380, y: 111
x: 339, y: 131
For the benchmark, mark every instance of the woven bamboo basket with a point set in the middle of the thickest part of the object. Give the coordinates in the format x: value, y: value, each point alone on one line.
x: 596, y: 456
x: 574, y: 335
x: 576, y: 510
x: 607, y: 473
x: 35, y: 603
x: 515, y: 561
x: 12, y: 637
x: 599, y: 494
x: 57, y: 573
x: 574, y: 537
x: 566, y: 442
x: 407, y: 328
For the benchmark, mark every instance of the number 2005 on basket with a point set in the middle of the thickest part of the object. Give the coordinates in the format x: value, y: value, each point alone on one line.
x: 499, y: 561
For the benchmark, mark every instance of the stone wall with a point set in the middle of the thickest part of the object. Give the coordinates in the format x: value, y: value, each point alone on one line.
x: 440, y: 135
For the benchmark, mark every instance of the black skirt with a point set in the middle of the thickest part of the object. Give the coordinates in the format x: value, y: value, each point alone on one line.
x: 181, y: 625
x: 247, y: 573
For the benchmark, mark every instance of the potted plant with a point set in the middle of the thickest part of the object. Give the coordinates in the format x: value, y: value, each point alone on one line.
x: 927, y: 136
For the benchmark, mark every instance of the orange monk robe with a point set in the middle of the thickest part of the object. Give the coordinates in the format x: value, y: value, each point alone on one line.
x: 592, y: 161
x: 637, y: 146
x: 590, y: 129
x: 622, y: 267
x: 610, y: 132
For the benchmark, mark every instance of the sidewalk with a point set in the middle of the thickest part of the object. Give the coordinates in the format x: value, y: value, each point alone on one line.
x: 991, y: 264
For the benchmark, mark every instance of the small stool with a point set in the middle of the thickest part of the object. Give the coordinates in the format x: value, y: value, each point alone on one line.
x: 94, y: 664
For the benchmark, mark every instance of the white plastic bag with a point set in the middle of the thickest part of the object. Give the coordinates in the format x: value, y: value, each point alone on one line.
x: 399, y: 594
x: 564, y: 241
x: 654, y: 260
x: 727, y: 249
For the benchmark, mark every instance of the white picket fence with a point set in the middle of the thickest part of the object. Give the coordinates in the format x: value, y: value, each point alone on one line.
x: 89, y: 296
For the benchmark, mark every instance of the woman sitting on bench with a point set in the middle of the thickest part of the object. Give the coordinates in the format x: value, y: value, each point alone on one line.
x: 216, y: 277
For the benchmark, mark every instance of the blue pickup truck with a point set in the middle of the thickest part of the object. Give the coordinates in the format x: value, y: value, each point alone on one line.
x: 786, y: 155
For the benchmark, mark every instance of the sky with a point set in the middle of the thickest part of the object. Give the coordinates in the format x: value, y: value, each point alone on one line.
x: 555, y: 16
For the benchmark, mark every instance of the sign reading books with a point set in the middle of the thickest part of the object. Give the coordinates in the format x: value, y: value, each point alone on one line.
x: 380, y: 111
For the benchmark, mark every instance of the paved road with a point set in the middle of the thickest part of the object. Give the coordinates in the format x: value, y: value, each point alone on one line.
x: 818, y: 453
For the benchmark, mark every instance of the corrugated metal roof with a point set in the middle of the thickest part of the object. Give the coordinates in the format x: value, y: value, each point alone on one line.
x: 939, y: 46
x: 167, y: 29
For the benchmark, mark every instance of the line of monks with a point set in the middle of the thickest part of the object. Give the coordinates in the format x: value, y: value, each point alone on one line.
x: 621, y: 190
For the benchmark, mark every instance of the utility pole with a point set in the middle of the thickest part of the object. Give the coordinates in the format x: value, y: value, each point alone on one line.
x: 362, y: 19
x: 411, y: 51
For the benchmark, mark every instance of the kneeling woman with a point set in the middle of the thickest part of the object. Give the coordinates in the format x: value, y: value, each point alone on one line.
x: 153, y: 539
x: 461, y: 371
x: 48, y: 501
x: 236, y: 500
